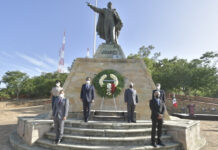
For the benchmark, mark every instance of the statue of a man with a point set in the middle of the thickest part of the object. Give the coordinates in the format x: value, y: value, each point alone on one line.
x: 109, y: 23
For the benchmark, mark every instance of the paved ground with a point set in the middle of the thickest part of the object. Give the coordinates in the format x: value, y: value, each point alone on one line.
x: 209, y: 130
x: 8, y: 121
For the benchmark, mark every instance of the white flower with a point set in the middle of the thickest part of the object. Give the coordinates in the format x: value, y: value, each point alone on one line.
x: 116, y: 82
x: 101, y: 80
x: 108, y: 89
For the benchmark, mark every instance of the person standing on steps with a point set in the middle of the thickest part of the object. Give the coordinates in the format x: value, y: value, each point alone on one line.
x: 87, y: 97
x: 157, y: 107
x: 131, y: 98
x: 60, y: 113
x: 55, y: 91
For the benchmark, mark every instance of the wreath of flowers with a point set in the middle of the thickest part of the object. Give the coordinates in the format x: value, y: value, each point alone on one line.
x: 108, y: 83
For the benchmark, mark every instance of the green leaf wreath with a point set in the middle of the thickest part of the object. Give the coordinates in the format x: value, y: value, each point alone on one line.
x: 108, y: 83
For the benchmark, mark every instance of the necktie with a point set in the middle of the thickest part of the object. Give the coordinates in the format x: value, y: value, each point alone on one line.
x: 158, y: 101
x: 60, y: 100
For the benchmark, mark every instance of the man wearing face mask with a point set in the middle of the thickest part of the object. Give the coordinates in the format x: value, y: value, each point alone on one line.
x: 87, y: 97
x: 55, y: 91
x: 60, y: 113
x: 131, y: 98
x: 162, y: 93
x: 157, y: 107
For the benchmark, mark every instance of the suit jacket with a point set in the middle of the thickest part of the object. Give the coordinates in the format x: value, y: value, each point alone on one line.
x: 87, y: 94
x: 156, y: 109
x: 61, y: 108
x: 162, y: 94
x: 130, y: 96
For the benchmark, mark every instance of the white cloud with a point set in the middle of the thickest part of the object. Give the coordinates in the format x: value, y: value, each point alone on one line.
x: 50, y: 60
x: 38, y: 70
x: 33, y: 60
x: 7, y: 54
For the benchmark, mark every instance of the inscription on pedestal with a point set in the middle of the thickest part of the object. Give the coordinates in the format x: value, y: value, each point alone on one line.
x: 109, y: 51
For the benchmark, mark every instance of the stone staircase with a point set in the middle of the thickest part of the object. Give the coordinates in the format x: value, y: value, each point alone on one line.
x: 101, y: 115
x: 107, y: 130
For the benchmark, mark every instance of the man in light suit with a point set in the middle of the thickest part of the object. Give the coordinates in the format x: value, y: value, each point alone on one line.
x: 87, y: 97
x: 60, y: 113
x: 131, y: 98
x: 158, y: 108
x: 162, y: 93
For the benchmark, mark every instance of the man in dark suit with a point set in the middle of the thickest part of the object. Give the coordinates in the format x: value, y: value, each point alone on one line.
x: 131, y: 98
x: 87, y: 96
x: 60, y: 113
x: 157, y: 107
x: 162, y: 93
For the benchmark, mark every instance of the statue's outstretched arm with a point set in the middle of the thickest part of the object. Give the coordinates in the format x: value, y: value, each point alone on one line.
x: 98, y: 10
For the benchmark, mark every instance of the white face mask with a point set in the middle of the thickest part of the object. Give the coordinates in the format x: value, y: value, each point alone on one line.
x: 88, y: 82
x: 62, y: 95
x: 58, y: 84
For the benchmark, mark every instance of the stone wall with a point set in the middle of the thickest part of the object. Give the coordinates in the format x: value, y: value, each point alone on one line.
x: 187, y: 132
x: 203, y: 105
x: 133, y: 70
x: 30, y: 129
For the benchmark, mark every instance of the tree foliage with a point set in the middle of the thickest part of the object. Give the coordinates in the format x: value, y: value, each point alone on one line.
x: 18, y: 84
x: 198, y: 77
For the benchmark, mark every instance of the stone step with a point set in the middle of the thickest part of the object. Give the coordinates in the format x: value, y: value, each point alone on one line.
x: 108, y: 118
x: 110, y: 132
x: 106, y: 125
x: 17, y: 143
x: 115, y: 141
x: 109, y: 113
x: 64, y: 146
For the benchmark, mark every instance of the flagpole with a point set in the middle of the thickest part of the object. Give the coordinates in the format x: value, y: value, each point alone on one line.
x: 94, y: 42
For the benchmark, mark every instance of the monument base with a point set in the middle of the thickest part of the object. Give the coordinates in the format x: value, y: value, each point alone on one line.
x: 109, y: 51
x: 133, y: 70
x: 178, y: 134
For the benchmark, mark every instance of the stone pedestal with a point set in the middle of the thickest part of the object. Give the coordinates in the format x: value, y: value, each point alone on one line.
x: 133, y: 70
x: 109, y: 51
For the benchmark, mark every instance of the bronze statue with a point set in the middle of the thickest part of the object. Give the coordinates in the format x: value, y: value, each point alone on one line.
x: 109, y: 23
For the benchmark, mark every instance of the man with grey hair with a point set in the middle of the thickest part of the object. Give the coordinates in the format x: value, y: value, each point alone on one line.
x: 131, y: 98
x: 158, y: 108
x: 162, y: 93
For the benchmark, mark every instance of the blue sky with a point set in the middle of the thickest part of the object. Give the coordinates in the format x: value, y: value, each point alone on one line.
x: 31, y: 31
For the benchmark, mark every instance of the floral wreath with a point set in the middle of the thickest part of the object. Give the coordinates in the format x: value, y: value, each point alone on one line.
x: 108, y: 83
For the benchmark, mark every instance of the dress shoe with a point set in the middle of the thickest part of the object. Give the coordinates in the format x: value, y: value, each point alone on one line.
x: 160, y: 143
x: 59, y: 141
x: 134, y: 121
x: 55, y: 141
x: 154, y: 144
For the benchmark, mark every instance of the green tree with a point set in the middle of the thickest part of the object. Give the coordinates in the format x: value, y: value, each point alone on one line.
x: 145, y: 54
x: 4, y: 94
x: 14, y: 81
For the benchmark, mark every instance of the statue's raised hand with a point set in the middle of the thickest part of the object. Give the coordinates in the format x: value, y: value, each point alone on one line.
x: 88, y: 3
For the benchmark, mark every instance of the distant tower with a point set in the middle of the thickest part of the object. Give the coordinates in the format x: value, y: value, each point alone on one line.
x: 61, y: 57
x: 87, y: 53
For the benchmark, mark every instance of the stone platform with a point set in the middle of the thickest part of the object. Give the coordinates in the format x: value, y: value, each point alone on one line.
x: 212, y: 117
x: 105, y: 134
